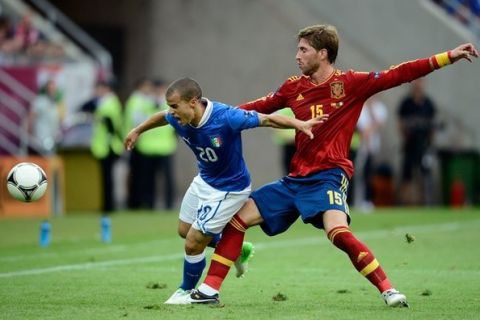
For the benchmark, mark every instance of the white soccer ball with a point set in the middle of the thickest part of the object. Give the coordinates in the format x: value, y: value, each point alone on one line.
x: 27, y: 182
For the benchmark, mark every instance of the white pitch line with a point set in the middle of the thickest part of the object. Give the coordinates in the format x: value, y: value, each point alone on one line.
x: 259, y: 246
x: 91, y: 265
x: 105, y: 249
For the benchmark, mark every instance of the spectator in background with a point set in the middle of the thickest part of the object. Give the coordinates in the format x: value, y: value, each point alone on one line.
x: 45, y: 118
x: 465, y: 11
x: 153, y: 149
x: 372, y: 119
x: 26, y: 35
x: 416, y: 119
x: 107, y: 138
x: 24, y: 38
x: 285, y: 138
x: 7, y: 43
x: 166, y: 147
x: 139, y: 105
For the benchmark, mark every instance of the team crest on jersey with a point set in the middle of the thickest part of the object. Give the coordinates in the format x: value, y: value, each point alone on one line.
x: 337, y: 90
x: 216, y: 141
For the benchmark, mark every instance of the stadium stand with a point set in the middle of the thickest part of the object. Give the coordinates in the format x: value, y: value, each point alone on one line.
x: 38, y: 44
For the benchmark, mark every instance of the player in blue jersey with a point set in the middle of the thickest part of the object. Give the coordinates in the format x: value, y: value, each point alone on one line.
x: 212, y: 130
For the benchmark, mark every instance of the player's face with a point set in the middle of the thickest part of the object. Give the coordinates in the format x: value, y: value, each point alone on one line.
x: 181, y: 110
x: 308, y: 59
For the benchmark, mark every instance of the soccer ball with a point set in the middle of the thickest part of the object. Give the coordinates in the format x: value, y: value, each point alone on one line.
x: 27, y: 182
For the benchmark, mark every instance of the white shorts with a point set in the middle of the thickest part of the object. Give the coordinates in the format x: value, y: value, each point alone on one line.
x: 208, y: 209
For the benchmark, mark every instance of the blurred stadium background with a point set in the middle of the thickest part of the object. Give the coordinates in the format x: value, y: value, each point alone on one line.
x: 238, y: 50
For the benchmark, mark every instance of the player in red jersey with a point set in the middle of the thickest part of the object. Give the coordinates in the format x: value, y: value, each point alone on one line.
x: 315, y: 189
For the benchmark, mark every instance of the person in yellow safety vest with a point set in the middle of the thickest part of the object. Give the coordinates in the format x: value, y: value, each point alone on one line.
x: 286, y: 139
x: 153, y: 149
x: 107, y: 138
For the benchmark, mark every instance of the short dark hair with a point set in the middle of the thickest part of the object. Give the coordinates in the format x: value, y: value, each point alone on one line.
x: 186, y: 87
x: 321, y: 36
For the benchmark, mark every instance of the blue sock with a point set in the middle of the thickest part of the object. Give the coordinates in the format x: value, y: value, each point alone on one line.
x: 215, y: 239
x: 192, y: 270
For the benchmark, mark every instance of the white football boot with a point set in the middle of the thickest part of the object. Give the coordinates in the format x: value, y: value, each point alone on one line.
x: 393, y: 298
x: 179, y: 297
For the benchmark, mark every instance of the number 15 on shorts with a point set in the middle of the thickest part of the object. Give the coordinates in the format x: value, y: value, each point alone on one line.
x: 337, y: 198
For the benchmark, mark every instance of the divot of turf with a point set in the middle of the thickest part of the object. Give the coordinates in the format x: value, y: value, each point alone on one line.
x: 427, y: 292
x: 409, y: 238
x: 152, y: 307
x: 156, y: 285
x: 343, y: 291
x: 279, y: 297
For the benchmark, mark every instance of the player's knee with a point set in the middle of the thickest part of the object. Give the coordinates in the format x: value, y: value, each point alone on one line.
x: 193, y: 248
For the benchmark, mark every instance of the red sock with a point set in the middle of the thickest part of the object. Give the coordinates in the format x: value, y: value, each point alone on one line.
x: 362, y: 258
x: 226, y: 252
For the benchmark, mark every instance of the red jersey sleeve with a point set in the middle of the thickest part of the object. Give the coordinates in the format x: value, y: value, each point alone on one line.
x: 369, y: 83
x: 269, y: 103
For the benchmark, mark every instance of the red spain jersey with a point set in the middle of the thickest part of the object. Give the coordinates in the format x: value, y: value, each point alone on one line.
x: 342, y: 97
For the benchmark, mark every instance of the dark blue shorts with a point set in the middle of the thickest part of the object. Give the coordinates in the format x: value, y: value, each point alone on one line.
x: 282, y: 202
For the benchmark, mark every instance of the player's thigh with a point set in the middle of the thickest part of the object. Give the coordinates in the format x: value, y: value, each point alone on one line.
x: 329, y: 194
x: 189, y: 206
x: 216, y: 208
x: 183, y: 228
x: 276, y: 204
x: 250, y: 214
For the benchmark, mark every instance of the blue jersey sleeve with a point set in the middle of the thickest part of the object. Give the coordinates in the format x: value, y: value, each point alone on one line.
x: 169, y: 118
x: 172, y: 121
x: 242, y: 119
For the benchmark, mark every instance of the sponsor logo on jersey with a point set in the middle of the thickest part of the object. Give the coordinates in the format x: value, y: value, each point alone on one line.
x: 300, y: 97
x: 337, y: 90
x: 216, y: 141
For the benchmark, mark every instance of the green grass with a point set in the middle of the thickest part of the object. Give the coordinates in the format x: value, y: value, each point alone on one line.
x: 78, y: 277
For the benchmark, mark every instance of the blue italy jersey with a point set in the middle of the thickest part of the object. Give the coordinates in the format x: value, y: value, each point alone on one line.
x: 217, y: 144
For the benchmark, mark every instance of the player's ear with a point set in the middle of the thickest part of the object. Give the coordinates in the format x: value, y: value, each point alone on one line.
x: 323, y: 53
x: 193, y: 101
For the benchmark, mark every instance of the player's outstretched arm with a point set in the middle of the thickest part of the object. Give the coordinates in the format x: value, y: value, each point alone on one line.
x: 156, y: 120
x: 283, y: 122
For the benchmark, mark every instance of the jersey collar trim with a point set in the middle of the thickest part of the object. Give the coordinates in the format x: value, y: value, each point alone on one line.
x: 207, y: 113
x: 324, y: 81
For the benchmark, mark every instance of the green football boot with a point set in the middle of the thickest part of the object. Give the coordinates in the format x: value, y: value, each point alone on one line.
x: 241, y: 264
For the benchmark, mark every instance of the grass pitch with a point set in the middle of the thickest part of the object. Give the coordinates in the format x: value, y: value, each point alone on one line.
x: 430, y: 255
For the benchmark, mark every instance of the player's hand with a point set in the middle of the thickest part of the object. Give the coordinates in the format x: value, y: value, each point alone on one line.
x: 464, y: 51
x: 131, y: 139
x: 307, y: 126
